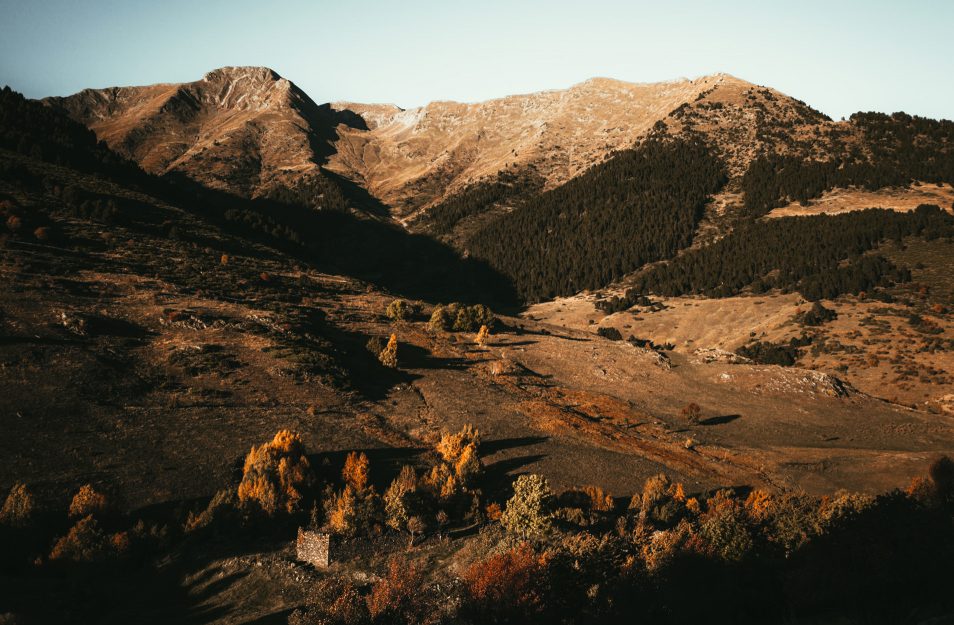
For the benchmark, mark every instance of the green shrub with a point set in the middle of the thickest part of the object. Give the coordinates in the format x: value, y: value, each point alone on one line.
x: 399, y: 310
x: 458, y: 317
x: 527, y: 514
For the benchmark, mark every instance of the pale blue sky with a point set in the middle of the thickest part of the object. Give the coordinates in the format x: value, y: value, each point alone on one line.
x: 839, y: 56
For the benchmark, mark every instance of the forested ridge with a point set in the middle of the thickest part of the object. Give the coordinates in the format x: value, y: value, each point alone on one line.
x: 374, y: 250
x: 820, y: 256
x: 37, y: 131
x: 640, y: 206
x: 895, y: 150
x: 508, y: 186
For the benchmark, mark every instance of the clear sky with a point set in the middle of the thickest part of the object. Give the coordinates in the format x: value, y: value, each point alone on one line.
x: 840, y: 56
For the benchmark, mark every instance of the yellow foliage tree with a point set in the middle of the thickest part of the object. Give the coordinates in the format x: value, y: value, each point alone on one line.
x: 600, y: 501
x: 87, y: 501
x: 389, y: 355
x: 275, y: 474
x: 396, y: 498
x: 18, y: 507
x: 355, y: 472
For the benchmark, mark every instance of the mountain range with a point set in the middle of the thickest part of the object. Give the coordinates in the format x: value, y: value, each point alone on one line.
x: 621, y: 340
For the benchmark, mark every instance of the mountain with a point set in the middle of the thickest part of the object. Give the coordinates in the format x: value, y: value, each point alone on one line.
x: 555, y: 190
x: 244, y: 130
x: 696, y: 428
x: 413, y: 158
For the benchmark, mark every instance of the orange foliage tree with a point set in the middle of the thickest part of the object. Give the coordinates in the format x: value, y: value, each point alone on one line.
x: 275, y: 474
x: 508, y: 586
x: 397, y: 597
x: 87, y: 501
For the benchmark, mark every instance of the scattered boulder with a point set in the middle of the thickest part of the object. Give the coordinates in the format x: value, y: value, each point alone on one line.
x: 708, y: 355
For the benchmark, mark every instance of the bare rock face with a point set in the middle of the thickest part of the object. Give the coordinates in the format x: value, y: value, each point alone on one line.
x: 239, y: 129
x: 709, y: 355
x: 412, y: 158
x: 247, y: 130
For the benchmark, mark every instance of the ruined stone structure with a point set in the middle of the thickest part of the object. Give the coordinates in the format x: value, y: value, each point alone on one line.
x: 314, y: 547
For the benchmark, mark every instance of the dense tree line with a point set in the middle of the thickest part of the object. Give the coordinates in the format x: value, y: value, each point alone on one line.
x: 508, y: 185
x: 640, y: 206
x: 664, y: 555
x: 820, y: 256
x: 42, y: 133
x: 332, y: 238
x: 895, y: 150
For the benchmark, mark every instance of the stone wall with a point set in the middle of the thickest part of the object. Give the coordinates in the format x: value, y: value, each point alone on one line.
x: 314, y: 547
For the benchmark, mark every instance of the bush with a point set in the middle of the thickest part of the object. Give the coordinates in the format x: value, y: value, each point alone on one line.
x: 399, y: 310
x: 610, y: 333
x: 332, y: 600
x: 692, y: 412
x: 765, y: 353
x: 507, y: 587
x: 276, y: 474
x: 527, y: 514
x: 397, y: 598
x: 817, y: 315
x: 460, y: 318
x: 87, y: 501
x: 18, y: 507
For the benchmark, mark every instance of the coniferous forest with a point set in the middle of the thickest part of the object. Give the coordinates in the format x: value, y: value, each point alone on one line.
x: 640, y: 206
x: 896, y: 150
x: 820, y: 257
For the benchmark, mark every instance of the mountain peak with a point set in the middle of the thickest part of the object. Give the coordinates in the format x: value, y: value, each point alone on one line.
x: 250, y: 72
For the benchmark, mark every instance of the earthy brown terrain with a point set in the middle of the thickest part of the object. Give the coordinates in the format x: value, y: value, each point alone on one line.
x: 146, y: 351
x: 412, y: 158
x: 844, y: 200
x: 241, y: 129
x: 184, y: 362
x: 874, y: 346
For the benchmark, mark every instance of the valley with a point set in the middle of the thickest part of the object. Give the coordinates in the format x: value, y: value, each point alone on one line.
x: 694, y: 327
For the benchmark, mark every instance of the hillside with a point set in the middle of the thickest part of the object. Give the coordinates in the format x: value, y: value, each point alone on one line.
x: 245, y: 130
x: 195, y: 363
x: 413, y: 158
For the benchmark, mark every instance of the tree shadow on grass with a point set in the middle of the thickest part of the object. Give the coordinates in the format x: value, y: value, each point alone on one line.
x: 729, y: 418
x: 497, y: 475
x: 372, y: 249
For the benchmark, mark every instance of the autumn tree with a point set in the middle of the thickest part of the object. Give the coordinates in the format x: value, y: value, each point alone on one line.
x: 357, y: 507
x: 389, y: 355
x: 276, y: 474
x: 356, y: 469
x: 87, y: 501
x: 508, y: 587
x: 398, y: 504
x: 18, y: 507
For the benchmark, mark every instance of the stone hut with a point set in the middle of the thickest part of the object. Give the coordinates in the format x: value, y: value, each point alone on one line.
x: 314, y: 547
